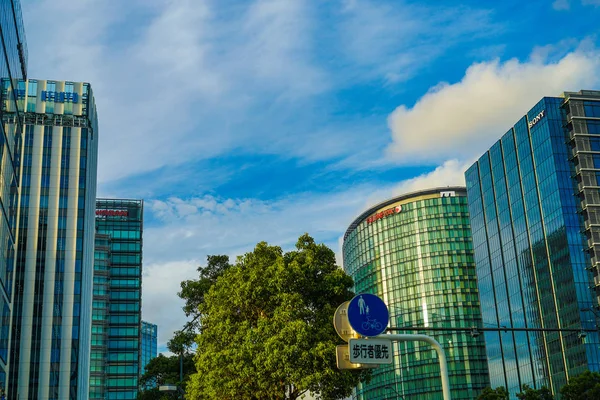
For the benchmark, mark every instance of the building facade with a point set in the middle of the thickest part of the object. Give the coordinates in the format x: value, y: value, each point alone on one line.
x: 533, y: 201
x: 57, y: 166
x: 100, y: 313
x: 149, y: 344
x: 122, y: 221
x: 415, y: 252
x: 13, y: 67
x: 582, y: 121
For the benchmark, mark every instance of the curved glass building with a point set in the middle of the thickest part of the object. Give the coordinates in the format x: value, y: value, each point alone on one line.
x: 415, y: 252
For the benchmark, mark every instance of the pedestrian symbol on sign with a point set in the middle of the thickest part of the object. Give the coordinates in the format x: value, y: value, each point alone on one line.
x: 361, y: 305
x: 368, y: 314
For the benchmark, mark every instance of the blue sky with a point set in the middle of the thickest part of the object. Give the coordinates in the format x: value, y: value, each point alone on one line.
x: 241, y: 121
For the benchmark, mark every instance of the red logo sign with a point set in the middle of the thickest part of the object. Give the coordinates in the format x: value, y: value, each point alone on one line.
x: 112, y: 213
x: 383, y: 214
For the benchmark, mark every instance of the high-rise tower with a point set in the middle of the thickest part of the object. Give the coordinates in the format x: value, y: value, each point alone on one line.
x: 122, y: 221
x: 57, y: 164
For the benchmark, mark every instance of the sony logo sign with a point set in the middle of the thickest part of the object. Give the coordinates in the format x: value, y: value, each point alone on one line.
x: 537, y: 119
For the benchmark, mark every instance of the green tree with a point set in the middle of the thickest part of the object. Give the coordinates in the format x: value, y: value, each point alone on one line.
x: 528, y: 393
x: 193, y: 292
x: 155, y: 394
x: 267, y: 328
x: 493, y: 394
x: 582, y: 387
x: 163, y: 370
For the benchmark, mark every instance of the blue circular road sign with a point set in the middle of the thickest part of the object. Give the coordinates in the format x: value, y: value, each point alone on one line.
x: 368, y: 315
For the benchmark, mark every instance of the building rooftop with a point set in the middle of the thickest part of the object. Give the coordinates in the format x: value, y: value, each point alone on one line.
x: 461, y: 189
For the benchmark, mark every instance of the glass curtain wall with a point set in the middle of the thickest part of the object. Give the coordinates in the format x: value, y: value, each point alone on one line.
x: 531, y: 253
x: 149, y: 344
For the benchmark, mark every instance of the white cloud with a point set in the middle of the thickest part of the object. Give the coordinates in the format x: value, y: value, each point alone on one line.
x: 561, y: 5
x: 462, y: 119
x: 591, y: 2
x: 450, y: 173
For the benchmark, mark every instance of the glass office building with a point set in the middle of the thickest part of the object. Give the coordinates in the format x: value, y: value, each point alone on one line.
x: 533, y: 201
x: 415, y: 252
x: 149, y: 344
x: 13, y: 67
x: 100, y: 308
x: 122, y: 221
x: 57, y: 164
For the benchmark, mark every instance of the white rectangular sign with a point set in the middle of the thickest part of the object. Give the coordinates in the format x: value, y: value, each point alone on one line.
x: 370, y: 351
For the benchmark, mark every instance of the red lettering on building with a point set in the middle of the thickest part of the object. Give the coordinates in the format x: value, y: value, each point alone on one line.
x: 112, y: 213
x: 383, y: 214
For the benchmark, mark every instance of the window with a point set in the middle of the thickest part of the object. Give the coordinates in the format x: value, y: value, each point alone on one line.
x: 32, y: 88
x: 593, y: 127
x: 592, y: 108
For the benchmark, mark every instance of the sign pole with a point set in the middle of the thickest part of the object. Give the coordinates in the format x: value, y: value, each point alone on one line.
x: 438, y: 348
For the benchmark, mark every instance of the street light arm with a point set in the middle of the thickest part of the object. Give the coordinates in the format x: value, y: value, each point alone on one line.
x: 438, y: 348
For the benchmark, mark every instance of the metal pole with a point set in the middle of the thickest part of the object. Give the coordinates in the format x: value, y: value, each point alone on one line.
x: 181, y: 367
x: 181, y: 372
x: 438, y: 348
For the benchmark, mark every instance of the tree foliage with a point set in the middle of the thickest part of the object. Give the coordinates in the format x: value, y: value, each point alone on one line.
x: 582, y: 387
x: 267, y: 328
x: 155, y: 394
x: 528, y: 393
x: 493, y: 394
x: 163, y: 370
x: 193, y: 292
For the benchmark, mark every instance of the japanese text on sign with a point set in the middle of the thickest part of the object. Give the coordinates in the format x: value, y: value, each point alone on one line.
x: 370, y: 351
